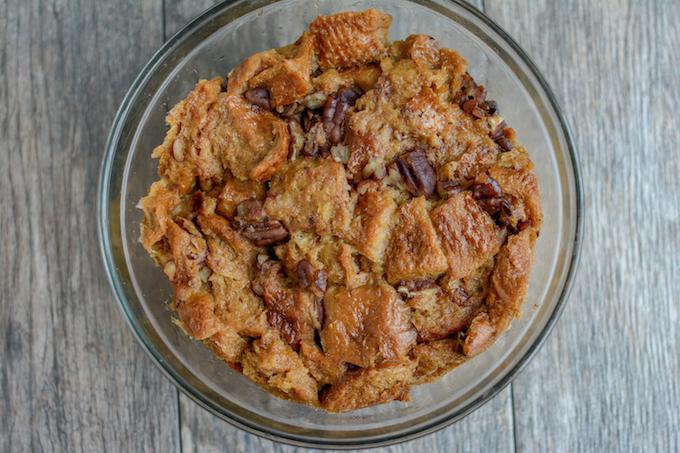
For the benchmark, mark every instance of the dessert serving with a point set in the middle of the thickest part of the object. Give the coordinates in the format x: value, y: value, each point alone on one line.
x: 344, y: 217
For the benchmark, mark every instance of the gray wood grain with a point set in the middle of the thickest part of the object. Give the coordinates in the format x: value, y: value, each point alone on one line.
x: 607, y: 379
x: 72, y: 377
x: 488, y: 429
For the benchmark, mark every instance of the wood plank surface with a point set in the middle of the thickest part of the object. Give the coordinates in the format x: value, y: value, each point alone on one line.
x: 607, y: 379
x: 73, y: 378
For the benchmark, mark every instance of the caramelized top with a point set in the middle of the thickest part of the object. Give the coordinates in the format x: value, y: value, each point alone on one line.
x: 345, y: 216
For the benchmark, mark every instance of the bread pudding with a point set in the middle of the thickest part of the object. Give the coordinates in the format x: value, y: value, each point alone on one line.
x: 344, y: 217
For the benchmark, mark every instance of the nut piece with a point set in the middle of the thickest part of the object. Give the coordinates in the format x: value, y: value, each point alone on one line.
x: 499, y: 136
x: 489, y: 196
x: 265, y: 233
x: 417, y: 173
x: 178, y: 147
x: 260, y: 97
x: 335, y: 110
x: 317, y: 281
x: 297, y: 138
x: 472, y: 99
x: 256, y: 226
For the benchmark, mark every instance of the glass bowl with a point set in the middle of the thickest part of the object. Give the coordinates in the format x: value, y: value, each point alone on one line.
x: 212, y: 45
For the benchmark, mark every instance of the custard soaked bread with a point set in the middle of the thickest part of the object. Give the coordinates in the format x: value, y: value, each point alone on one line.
x: 343, y: 217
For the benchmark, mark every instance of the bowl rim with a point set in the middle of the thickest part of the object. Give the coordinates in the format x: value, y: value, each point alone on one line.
x: 298, y: 440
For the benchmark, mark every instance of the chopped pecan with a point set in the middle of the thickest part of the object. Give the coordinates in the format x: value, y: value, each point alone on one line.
x: 501, y: 138
x: 260, y: 97
x: 489, y: 195
x: 178, y: 147
x: 318, y: 304
x: 316, y: 141
x: 309, y: 119
x: 488, y: 189
x: 305, y: 273
x: 417, y: 173
x: 309, y: 278
x: 321, y: 281
x: 472, y: 99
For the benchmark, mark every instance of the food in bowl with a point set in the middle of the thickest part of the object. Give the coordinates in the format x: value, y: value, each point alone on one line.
x: 343, y: 217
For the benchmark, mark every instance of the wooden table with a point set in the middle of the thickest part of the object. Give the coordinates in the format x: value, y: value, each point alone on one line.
x: 74, y: 379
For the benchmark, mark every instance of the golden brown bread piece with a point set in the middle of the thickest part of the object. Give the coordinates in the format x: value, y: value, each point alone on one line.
x: 370, y: 386
x: 468, y: 235
x: 325, y: 369
x: 274, y: 364
x: 197, y: 315
x: 414, y: 250
x: 252, y: 143
x: 372, y: 223
x: 345, y: 216
x: 235, y: 192
x: 438, y: 315
x: 436, y: 358
x: 187, y: 152
x: 508, y: 286
x: 290, y: 79
x: 350, y: 39
x: 366, y: 325
x: 157, y: 206
x: 311, y: 195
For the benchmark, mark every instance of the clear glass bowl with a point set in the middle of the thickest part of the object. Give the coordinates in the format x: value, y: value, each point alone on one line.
x: 212, y: 45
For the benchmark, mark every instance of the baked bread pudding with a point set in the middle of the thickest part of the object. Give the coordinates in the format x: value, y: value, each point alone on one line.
x: 343, y: 217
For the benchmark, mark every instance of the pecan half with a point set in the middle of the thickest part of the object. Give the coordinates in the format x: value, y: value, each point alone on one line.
x: 417, y: 173
x: 256, y: 226
x: 335, y: 110
x: 260, y: 97
x: 264, y: 233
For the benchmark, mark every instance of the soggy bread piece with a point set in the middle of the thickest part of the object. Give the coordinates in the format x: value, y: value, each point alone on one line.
x: 468, y: 235
x: 436, y: 358
x: 414, y: 250
x: 311, y: 195
x: 369, y: 386
x: 508, y: 286
x: 366, y: 325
